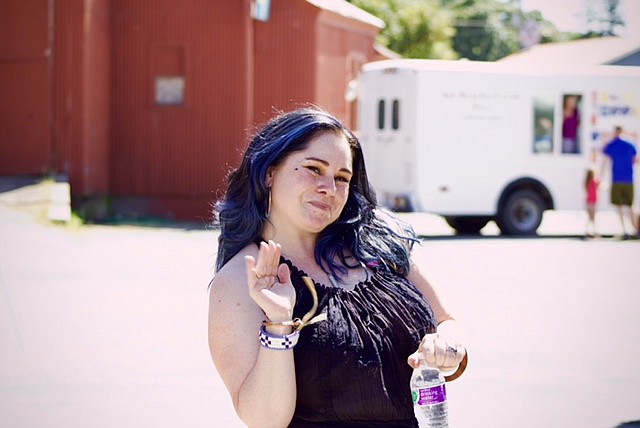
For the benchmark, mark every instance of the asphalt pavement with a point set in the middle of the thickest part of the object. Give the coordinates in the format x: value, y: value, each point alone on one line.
x: 105, y: 326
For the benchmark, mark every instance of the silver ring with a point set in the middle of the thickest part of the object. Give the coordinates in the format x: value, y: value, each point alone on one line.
x: 452, y: 349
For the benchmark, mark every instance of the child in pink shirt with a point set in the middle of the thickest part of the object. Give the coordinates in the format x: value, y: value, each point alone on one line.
x: 591, y: 184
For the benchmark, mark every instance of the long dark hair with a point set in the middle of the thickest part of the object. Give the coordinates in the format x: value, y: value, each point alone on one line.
x: 591, y: 175
x: 241, y: 214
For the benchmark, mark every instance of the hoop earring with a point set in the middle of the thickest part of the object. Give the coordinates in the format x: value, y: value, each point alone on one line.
x: 269, y: 204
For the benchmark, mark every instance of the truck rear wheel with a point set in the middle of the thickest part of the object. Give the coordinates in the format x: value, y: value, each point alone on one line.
x: 521, y: 213
x: 467, y: 225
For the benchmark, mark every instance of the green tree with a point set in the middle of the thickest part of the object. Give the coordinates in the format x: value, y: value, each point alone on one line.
x: 487, y: 30
x: 482, y: 30
x: 414, y: 29
x: 603, y: 18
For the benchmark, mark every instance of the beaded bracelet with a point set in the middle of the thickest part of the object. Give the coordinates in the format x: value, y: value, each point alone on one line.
x: 288, y: 341
x: 280, y: 343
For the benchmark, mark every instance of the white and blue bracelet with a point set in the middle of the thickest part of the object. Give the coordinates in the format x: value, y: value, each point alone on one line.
x: 280, y: 343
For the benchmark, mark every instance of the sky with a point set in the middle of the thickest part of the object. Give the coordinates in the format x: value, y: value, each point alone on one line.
x: 568, y: 15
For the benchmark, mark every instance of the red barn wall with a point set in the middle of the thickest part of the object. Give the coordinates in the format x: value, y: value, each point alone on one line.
x: 169, y: 160
x: 80, y: 99
x: 78, y: 84
x: 285, y: 58
x: 25, y: 87
x: 343, y: 46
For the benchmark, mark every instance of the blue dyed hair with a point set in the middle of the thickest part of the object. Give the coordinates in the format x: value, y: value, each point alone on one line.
x: 241, y: 214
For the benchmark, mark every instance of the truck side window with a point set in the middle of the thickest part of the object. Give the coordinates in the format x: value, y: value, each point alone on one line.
x: 381, y: 114
x: 543, y: 123
x: 571, y: 123
x: 395, y: 114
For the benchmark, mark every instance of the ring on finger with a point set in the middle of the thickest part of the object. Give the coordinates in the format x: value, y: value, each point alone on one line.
x: 264, y: 275
x: 453, y: 350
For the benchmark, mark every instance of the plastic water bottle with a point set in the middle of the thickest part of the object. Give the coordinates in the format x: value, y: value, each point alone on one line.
x: 429, y: 396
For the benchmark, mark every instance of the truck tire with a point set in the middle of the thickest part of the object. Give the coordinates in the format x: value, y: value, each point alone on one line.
x: 467, y: 225
x: 521, y: 213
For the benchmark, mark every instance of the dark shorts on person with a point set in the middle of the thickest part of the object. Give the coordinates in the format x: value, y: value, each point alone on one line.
x: 622, y: 194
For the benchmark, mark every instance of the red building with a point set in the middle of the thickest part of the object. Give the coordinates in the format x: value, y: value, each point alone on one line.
x: 146, y: 104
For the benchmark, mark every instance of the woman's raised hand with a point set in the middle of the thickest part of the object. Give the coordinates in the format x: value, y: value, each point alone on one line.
x: 270, y: 283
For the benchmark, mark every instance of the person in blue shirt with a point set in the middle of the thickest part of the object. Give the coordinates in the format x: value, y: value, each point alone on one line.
x: 621, y: 154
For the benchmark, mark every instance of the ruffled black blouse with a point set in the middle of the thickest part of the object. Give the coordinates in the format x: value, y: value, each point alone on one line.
x: 351, y: 369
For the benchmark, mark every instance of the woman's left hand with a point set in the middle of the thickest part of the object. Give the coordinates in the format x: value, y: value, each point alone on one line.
x: 439, y: 351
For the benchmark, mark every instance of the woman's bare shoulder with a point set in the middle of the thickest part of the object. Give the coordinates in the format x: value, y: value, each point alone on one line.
x: 229, y: 289
x: 234, y: 272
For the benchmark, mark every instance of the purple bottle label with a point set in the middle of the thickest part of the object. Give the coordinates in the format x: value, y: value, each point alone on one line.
x: 429, y: 396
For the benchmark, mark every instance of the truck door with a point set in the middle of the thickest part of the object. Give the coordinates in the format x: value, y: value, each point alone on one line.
x: 387, y: 112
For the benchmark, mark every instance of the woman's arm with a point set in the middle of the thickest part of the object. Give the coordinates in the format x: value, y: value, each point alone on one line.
x: 261, y: 381
x: 419, y: 279
x: 443, y: 349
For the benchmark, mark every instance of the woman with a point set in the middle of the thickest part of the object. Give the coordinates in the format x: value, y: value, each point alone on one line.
x: 300, y: 206
x: 570, y: 124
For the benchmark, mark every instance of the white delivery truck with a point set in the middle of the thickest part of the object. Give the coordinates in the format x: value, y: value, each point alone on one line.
x: 474, y: 141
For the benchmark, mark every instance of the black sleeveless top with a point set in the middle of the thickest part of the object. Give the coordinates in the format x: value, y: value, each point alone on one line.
x: 351, y: 369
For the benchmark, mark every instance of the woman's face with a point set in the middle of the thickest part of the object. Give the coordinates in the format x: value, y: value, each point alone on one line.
x: 310, y: 188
